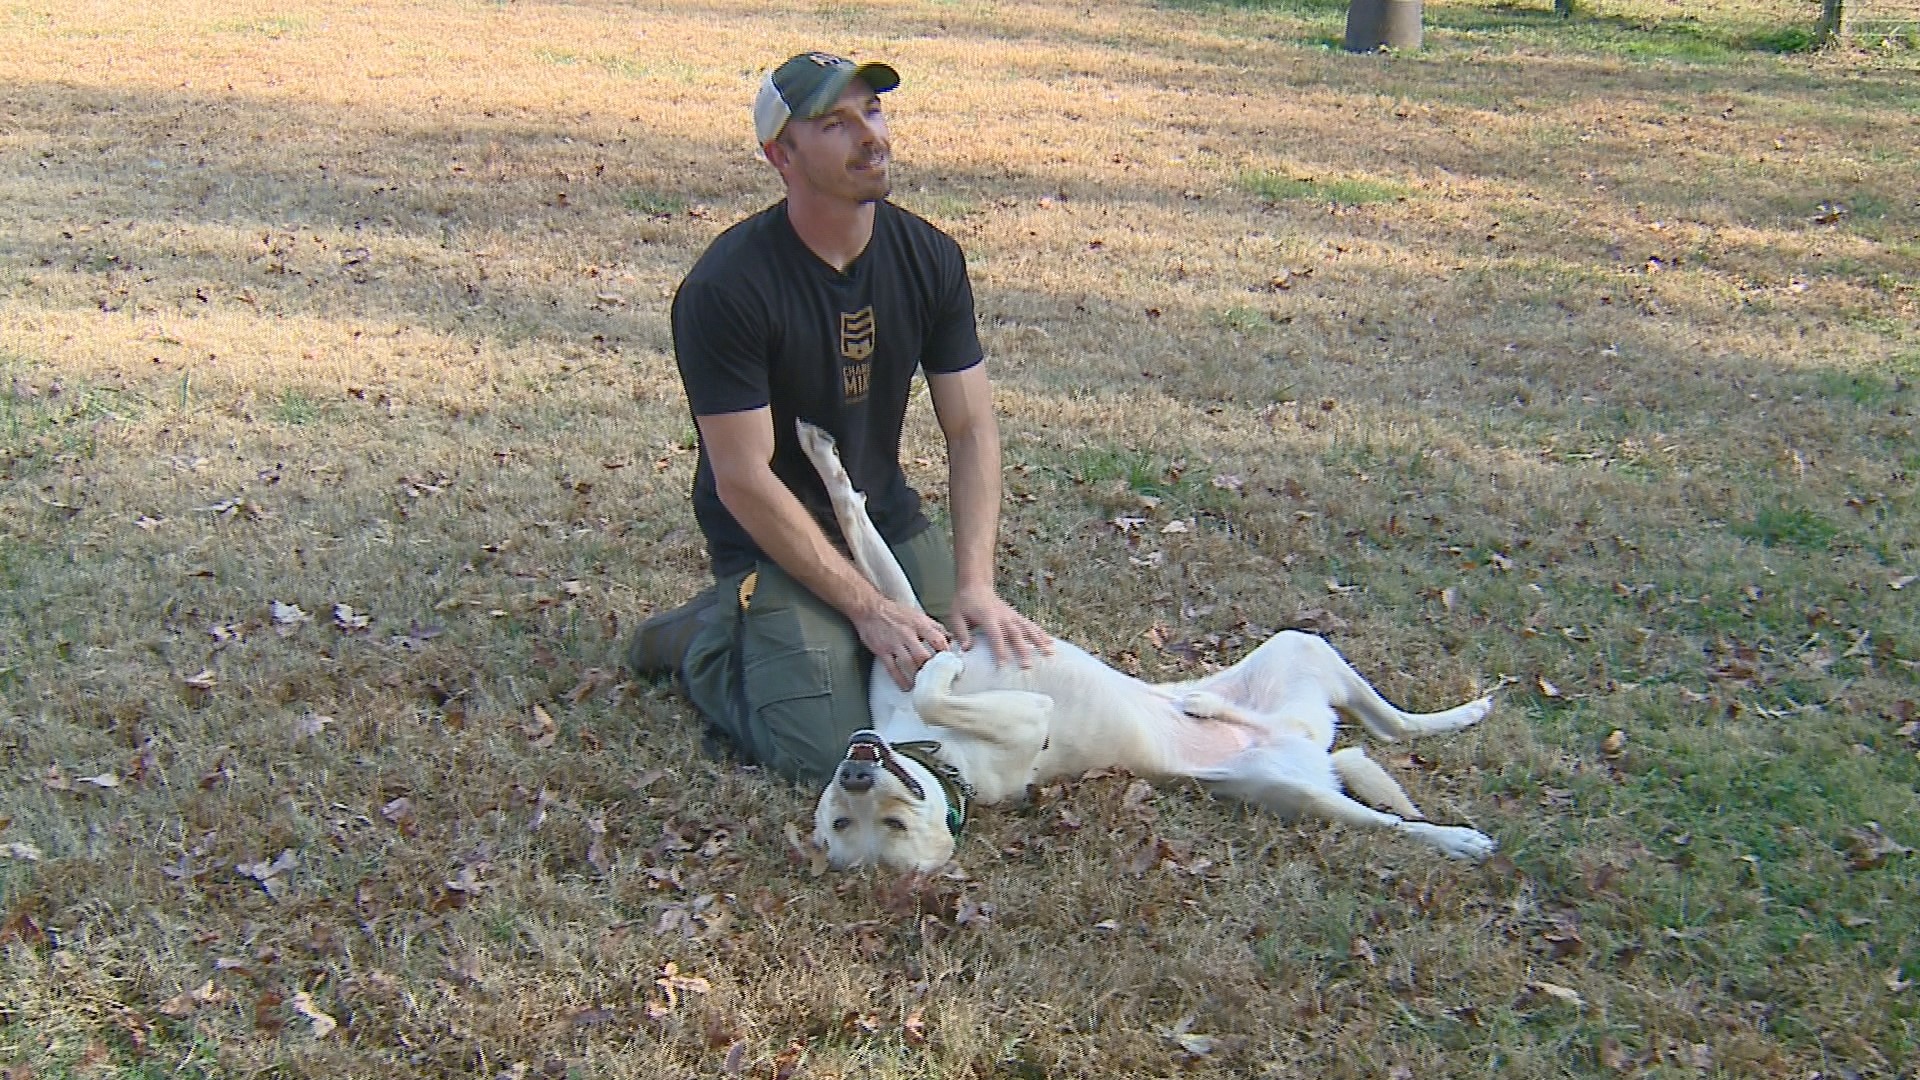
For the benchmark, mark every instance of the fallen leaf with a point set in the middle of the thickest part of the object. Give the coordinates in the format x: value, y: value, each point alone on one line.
x: 1869, y: 848
x: 541, y: 730
x: 323, y: 1024
x: 1614, y: 743
x: 1547, y: 689
x: 802, y: 849
x: 1338, y: 589
x: 187, y: 1002
x: 205, y: 680
x: 1562, y: 994
x: 1174, y: 526
x: 672, y: 984
x: 1895, y: 983
x: 104, y: 780
x: 21, y: 850
x: 1196, y: 1045
x: 348, y: 620
x: 1317, y: 621
x: 310, y: 725
x: 1901, y: 582
x: 399, y: 814
x: 288, y: 617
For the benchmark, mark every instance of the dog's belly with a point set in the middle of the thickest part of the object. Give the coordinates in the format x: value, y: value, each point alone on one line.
x: 1104, y: 717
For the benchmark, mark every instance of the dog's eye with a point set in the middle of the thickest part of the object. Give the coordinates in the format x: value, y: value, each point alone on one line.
x: 840, y: 823
x: 896, y: 824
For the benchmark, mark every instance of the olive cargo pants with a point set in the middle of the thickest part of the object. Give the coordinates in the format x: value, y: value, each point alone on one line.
x: 784, y: 676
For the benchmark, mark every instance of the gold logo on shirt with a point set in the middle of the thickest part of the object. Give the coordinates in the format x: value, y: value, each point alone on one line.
x: 856, y: 347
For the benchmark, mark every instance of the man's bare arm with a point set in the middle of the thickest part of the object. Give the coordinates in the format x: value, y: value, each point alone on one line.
x: 740, y: 447
x: 963, y: 403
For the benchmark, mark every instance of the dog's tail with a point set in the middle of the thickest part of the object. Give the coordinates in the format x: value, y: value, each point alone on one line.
x: 1363, y: 776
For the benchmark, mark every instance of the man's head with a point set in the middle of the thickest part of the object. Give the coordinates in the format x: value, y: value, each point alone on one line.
x: 819, y: 122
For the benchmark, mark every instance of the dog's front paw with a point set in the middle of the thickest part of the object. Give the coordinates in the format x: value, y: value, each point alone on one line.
x: 1453, y: 841
x: 820, y: 448
x: 937, y: 675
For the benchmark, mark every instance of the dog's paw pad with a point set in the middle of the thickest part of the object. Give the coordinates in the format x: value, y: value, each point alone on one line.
x: 1203, y: 704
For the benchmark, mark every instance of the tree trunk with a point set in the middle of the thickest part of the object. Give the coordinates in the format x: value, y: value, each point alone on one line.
x: 1564, y: 8
x: 1833, y: 24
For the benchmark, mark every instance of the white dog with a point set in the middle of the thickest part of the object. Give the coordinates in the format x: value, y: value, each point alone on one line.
x: 973, y: 731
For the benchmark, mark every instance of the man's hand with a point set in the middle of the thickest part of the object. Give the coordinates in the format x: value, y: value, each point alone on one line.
x: 901, y: 638
x: 1013, y: 637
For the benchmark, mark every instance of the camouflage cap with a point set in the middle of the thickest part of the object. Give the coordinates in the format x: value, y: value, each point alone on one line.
x: 808, y: 85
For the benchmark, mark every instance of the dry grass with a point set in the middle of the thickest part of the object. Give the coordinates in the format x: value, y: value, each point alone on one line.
x: 1577, y: 354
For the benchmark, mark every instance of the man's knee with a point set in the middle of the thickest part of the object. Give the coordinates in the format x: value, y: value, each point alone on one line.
x: 790, y: 684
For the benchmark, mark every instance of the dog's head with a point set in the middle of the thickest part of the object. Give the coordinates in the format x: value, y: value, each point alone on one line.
x: 886, y: 806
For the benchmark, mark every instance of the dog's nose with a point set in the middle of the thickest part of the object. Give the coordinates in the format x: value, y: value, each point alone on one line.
x: 857, y: 777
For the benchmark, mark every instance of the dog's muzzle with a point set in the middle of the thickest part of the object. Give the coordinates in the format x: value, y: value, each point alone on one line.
x: 867, y: 754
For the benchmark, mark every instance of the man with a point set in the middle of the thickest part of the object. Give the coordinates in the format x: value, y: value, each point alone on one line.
x: 822, y: 307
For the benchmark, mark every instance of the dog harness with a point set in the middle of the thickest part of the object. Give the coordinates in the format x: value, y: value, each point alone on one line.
x: 958, y: 791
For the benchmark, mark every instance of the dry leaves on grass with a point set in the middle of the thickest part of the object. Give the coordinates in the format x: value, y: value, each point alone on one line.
x: 188, y: 1002
x: 288, y: 618
x: 323, y: 1024
x: 540, y: 731
x: 272, y: 876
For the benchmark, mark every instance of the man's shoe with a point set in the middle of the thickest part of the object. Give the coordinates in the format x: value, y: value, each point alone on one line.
x: 660, y: 644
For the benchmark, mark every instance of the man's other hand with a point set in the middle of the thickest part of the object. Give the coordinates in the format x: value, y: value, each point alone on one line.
x: 1013, y: 638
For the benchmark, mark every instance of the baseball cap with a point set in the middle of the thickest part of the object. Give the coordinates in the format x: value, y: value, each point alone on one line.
x: 808, y: 85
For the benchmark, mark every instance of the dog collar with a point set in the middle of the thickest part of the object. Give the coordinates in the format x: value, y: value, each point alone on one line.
x: 959, y: 793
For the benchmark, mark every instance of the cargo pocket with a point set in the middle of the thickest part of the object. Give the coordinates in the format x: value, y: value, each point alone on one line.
x: 790, y: 711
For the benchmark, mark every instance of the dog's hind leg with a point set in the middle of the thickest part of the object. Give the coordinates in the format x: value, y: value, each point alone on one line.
x: 1274, y: 671
x: 870, y: 552
x: 1281, y: 779
x: 1364, y: 777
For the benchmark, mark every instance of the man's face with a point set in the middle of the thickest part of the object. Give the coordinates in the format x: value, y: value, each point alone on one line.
x: 843, y: 153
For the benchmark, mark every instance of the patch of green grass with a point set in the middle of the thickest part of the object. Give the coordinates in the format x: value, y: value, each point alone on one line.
x: 946, y: 206
x: 623, y: 66
x: 1279, y: 187
x: 1141, y: 472
x: 1272, y: 7
x: 1797, y: 528
x: 1784, y: 39
x: 40, y: 425
x: 1244, y: 319
x: 275, y: 27
x: 556, y: 57
x: 652, y: 203
x: 1866, y: 390
x: 295, y: 407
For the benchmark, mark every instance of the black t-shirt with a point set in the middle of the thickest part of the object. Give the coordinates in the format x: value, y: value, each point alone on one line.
x: 761, y: 321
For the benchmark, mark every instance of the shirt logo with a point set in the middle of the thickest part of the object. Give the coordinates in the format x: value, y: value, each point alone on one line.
x: 856, y: 349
